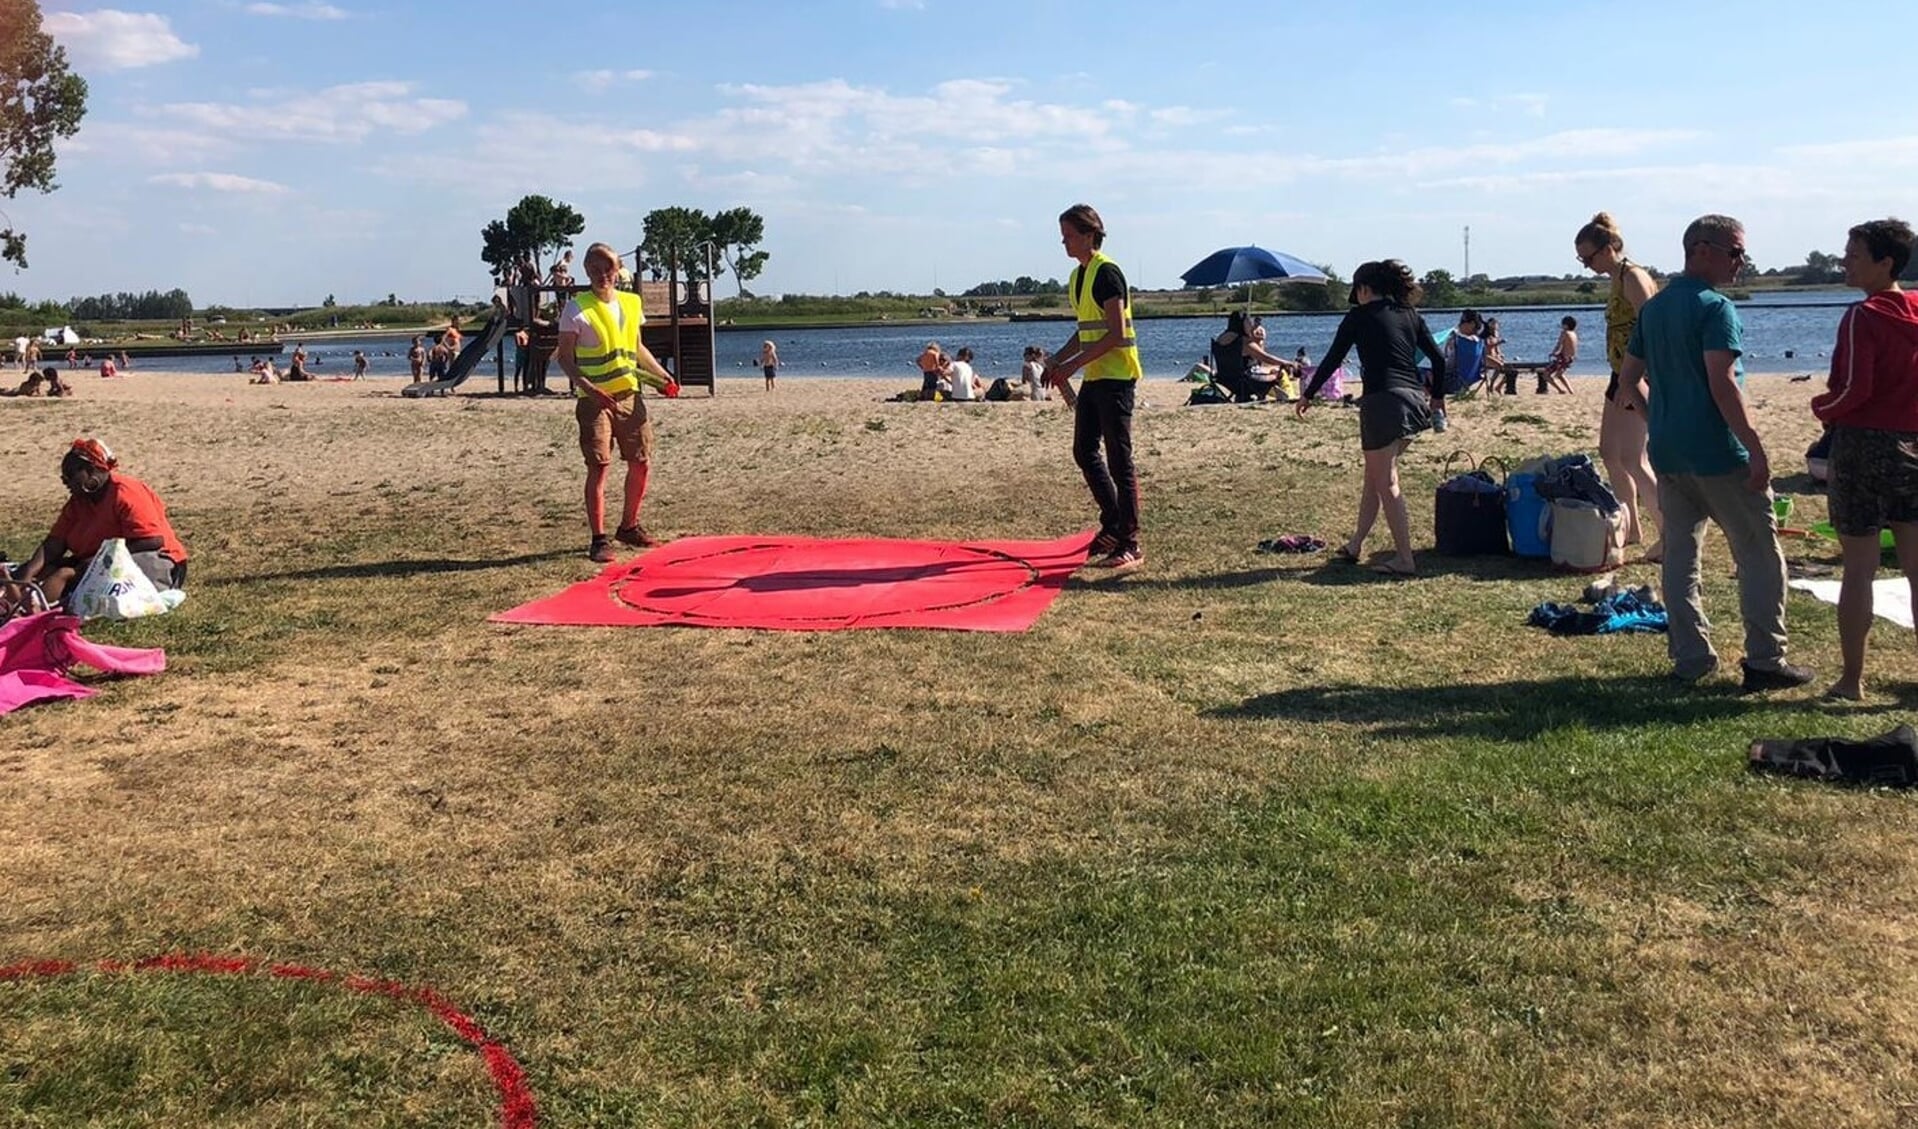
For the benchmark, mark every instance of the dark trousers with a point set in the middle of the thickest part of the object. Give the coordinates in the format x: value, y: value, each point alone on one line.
x: 1104, y: 415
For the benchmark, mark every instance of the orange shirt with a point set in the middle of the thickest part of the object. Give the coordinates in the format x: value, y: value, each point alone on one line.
x: 127, y: 508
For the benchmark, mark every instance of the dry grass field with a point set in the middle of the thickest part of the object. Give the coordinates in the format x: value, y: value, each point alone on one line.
x: 1235, y: 840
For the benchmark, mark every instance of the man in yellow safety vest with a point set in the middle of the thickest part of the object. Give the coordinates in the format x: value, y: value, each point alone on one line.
x: 1107, y: 351
x: 603, y: 357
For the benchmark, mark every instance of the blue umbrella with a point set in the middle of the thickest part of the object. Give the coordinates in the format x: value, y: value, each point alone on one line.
x: 1250, y: 264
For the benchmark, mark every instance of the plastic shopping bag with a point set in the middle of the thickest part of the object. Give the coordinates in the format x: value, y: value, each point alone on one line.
x: 114, y: 587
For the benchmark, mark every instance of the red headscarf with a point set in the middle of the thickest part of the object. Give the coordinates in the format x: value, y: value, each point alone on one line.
x: 95, y: 452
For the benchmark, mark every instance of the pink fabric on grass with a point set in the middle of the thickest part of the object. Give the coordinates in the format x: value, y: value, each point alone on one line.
x: 37, y: 651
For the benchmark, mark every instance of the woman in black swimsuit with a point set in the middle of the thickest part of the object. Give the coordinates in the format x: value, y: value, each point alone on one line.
x: 1388, y: 332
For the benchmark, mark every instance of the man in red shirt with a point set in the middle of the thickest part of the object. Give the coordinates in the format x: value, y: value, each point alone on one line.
x: 1871, y: 406
x: 103, y: 505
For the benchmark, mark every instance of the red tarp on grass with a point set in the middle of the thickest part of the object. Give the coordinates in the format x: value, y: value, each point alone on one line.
x: 804, y: 584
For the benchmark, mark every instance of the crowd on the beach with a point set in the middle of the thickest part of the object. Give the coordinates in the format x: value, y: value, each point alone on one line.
x: 1676, y: 435
x: 954, y: 377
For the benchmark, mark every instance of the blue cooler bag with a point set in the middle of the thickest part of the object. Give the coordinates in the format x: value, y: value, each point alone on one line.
x: 1527, y: 515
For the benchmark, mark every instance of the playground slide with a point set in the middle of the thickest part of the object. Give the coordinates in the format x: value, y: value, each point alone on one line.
x: 470, y: 356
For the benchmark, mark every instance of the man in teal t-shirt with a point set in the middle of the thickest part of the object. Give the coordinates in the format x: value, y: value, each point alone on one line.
x: 1711, y: 464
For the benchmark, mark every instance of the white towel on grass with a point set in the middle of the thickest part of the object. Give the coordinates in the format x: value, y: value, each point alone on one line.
x: 1890, y: 597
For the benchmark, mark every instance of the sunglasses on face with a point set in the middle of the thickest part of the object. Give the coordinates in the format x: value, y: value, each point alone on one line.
x: 1735, y: 254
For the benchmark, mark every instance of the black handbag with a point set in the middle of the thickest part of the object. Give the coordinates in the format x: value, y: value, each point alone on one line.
x: 1468, y: 510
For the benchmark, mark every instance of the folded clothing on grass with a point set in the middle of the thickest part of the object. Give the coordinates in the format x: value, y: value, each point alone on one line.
x: 1888, y: 760
x: 1620, y: 613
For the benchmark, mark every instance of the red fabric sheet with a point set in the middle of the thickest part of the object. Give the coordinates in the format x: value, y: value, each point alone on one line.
x: 781, y: 583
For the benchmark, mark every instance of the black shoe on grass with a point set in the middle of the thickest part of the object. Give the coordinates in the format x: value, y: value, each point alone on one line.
x: 1784, y: 677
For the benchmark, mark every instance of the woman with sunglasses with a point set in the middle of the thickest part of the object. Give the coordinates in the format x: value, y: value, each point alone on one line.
x: 1621, y: 430
x: 1389, y: 333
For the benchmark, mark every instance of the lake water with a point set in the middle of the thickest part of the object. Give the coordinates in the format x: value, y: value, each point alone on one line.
x: 1780, y: 336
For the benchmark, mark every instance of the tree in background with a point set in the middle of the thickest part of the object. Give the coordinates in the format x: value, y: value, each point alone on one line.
x: 1439, y: 288
x: 673, y: 235
x: 149, y: 306
x: 40, y: 100
x: 1821, y: 268
x: 737, y: 232
x: 534, y: 226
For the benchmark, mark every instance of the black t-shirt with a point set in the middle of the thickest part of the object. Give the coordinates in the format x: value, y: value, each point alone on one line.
x: 1389, y: 338
x: 1108, y: 284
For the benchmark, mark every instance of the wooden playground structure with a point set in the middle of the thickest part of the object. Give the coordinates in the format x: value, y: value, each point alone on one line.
x: 678, y: 331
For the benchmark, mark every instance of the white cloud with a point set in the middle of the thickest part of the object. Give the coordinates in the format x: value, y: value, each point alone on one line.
x: 115, y: 40
x: 603, y: 79
x: 298, y: 11
x: 218, y: 182
x: 836, y: 127
x: 1571, y: 144
x: 1184, y: 116
x: 1531, y: 105
x: 153, y: 144
x: 337, y: 113
x: 749, y: 184
x: 1875, y: 152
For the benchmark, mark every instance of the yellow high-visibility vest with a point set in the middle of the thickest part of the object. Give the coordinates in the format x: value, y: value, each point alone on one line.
x: 613, y: 365
x: 1121, y: 363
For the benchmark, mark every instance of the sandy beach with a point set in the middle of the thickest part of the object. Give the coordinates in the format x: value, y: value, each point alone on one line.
x: 211, y: 441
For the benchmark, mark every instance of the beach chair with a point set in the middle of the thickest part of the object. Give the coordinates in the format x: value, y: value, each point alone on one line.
x: 1232, y: 374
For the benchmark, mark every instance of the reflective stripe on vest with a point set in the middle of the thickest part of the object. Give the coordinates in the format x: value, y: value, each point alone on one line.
x: 1121, y: 363
x: 613, y: 365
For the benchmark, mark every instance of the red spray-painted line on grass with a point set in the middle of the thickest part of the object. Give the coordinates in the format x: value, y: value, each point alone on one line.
x: 516, y: 1109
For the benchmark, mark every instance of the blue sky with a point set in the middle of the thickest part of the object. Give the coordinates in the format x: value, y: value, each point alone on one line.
x: 273, y: 153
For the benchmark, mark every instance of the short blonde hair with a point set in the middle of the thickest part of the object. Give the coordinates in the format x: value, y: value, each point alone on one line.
x: 606, y: 253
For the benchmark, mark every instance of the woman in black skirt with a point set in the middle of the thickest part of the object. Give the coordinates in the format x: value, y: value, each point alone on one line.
x: 1385, y: 326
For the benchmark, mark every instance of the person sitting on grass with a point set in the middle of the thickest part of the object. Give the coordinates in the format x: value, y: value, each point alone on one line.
x: 103, y: 504
x: 965, y: 382
x: 932, y: 369
x: 1032, y: 374
x: 1465, y: 352
x: 1236, y: 352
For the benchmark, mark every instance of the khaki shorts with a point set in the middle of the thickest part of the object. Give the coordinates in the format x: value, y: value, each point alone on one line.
x: 624, y: 423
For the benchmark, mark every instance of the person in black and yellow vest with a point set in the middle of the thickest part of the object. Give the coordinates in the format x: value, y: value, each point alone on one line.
x: 1106, y: 350
x: 602, y: 355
